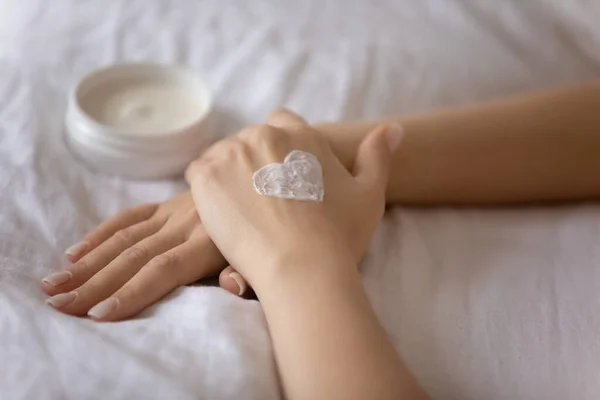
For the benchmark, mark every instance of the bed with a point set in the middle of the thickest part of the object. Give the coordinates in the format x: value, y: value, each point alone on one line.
x: 481, y: 304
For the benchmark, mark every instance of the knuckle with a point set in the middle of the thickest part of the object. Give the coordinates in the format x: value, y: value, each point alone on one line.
x: 191, y: 216
x: 279, y: 111
x: 223, y: 145
x: 125, y: 213
x: 206, y: 173
x: 144, y: 211
x: 126, y: 294
x: 131, y: 297
x: 193, y: 170
x: 123, y: 236
x: 235, y: 149
x: 284, y: 117
x: 92, y: 239
x: 135, y: 253
x: 164, y: 262
x: 246, y: 132
x: 277, y: 115
x: 267, y: 134
x: 166, y: 266
x: 193, y: 166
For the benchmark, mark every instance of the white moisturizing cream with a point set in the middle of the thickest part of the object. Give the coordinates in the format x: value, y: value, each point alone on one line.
x: 143, y: 106
x: 299, y: 177
x: 139, y: 120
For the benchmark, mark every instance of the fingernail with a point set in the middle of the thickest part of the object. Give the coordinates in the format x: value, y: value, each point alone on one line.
x: 240, y: 281
x: 76, y: 250
x: 395, y: 134
x: 104, y: 308
x: 61, y: 300
x: 58, y: 278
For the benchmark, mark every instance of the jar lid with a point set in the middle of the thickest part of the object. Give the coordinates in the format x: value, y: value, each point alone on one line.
x: 142, y: 121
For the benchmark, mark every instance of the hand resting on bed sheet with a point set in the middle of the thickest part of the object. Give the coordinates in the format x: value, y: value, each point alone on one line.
x: 508, y: 151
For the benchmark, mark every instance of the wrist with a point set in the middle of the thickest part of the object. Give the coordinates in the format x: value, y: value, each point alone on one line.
x: 314, y: 257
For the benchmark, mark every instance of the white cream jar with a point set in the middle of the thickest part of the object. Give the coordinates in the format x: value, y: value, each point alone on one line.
x: 142, y: 121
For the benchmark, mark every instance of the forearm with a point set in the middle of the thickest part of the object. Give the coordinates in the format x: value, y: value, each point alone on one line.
x: 537, y: 147
x: 327, y: 340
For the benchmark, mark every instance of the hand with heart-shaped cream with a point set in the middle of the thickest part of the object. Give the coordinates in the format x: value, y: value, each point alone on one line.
x: 287, y: 214
x: 277, y: 190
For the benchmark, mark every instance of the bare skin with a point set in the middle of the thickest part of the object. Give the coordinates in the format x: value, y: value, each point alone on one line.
x: 302, y: 257
x: 528, y: 148
x: 532, y: 148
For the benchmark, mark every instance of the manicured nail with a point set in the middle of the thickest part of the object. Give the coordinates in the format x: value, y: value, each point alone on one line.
x: 240, y: 281
x: 395, y: 134
x: 58, y: 278
x: 104, y: 308
x: 61, y: 300
x: 76, y: 250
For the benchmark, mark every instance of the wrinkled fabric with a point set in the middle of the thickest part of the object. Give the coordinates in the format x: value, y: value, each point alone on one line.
x: 482, y: 304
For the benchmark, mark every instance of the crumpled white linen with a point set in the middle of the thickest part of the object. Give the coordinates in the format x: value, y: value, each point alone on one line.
x: 481, y: 304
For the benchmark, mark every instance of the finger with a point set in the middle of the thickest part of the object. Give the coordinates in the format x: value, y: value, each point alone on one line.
x: 115, y: 274
x: 232, y: 281
x: 374, y: 156
x: 284, y: 118
x: 106, y: 229
x: 223, y: 147
x: 77, y: 274
x: 192, y: 170
x: 182, y: 265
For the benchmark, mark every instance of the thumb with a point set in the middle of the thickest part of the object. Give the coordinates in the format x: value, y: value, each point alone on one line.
x: 374, y: 156
x: 232, y: 281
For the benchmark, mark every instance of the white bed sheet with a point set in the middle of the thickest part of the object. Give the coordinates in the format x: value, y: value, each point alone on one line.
x: 481, y: 304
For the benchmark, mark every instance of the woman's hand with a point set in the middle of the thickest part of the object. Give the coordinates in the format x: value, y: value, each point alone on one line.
x: 254, y: 231
x: 135, y: 258
x: 301, y: 256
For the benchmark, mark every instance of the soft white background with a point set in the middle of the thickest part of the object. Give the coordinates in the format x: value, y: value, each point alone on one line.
x: 491, y: 305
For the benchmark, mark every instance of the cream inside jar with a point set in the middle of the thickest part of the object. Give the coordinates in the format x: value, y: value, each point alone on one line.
x: 144, y: 105
x: 139, y: 120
